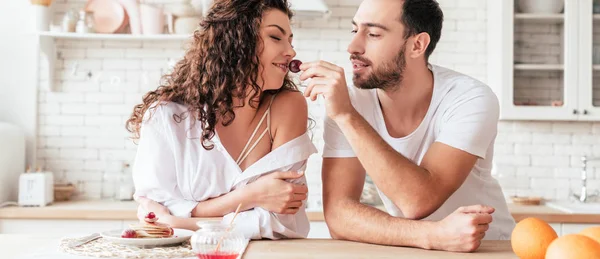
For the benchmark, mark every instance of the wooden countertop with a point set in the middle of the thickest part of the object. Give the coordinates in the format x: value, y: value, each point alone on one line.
x: 551, y: 215
x: 40, y: 246
x: 90, y: 210
x: 117, y: 210
x: 81, y: 209
x: 327, y: 248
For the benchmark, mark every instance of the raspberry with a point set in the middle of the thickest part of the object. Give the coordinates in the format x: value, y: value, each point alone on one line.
x: 128, y: 233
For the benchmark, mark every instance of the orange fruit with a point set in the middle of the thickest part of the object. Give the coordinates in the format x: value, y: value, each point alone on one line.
x: 592, y: 232
x: 573, y: 246
x: 531, y: 237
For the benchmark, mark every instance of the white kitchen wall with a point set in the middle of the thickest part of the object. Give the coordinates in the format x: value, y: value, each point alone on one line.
x: 81, y: 135
x: 18, y: 88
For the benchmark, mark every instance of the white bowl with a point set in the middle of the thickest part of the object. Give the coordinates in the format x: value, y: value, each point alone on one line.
x: 541, y: 6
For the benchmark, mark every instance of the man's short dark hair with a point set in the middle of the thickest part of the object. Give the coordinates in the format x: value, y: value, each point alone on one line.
x: 423, y: 16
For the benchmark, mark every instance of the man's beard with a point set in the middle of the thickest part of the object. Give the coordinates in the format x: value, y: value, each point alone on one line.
x: 386, y: 76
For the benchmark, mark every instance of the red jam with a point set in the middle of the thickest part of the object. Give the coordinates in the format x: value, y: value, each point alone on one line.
x: 218, y: 255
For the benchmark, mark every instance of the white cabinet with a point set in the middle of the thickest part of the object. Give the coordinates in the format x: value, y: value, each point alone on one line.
x: 574, y: 228
x: 569, y: 228
x: 557, y: 227
x: 541, y: 65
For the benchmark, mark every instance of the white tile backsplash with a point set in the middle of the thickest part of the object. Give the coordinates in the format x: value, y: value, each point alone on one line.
x: 82, y: 137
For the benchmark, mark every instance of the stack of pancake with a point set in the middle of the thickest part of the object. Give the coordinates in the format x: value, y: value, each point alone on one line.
x: 152, y: 230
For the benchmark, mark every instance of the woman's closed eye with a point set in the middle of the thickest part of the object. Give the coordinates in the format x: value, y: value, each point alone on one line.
x: 275, y: 38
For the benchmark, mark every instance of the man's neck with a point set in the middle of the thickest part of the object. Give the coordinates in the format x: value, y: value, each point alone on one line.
x: 405, y: 105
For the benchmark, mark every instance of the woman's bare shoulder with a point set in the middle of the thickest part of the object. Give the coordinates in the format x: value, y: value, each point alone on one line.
x: 289, y: 115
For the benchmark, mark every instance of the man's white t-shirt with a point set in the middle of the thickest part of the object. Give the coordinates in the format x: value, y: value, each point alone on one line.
x: 463, y: 114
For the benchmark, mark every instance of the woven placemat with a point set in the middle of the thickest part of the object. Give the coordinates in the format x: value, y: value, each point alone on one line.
x: 102, y: 248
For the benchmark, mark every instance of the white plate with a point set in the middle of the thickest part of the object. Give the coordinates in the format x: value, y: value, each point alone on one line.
x: 179, y: 236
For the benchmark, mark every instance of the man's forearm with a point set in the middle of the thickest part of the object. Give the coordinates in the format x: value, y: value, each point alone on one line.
x: 225, y: 204
x: 351, y: 220
x: 396, y: 176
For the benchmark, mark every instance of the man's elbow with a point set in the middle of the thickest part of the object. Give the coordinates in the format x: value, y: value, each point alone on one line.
x: 415, y: 214
x: 336, y: 228
x: 335, y: 236
x: 418, y: 210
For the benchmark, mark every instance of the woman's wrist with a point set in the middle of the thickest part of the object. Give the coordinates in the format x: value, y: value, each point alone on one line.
x: 249, y: 197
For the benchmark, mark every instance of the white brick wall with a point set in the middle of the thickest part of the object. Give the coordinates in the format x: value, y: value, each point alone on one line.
x: 545, y: 157
x: 81, y: 126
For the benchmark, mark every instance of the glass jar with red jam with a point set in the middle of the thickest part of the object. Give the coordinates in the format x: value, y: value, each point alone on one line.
x: 217, y: 240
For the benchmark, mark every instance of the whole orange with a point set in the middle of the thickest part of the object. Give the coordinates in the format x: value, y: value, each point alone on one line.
x: 573, y: 246
x: 531, y: 237
x: 592, y: 232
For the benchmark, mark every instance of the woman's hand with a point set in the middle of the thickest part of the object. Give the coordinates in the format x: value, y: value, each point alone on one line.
x: 273, y: 193
x: 147, y: 205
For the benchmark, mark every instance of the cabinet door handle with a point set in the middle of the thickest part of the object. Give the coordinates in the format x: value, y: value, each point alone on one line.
x: 575, y: 111
x: 585, y: 112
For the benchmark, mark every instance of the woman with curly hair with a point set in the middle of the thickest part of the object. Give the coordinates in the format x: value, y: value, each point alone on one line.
x: 228, y: 127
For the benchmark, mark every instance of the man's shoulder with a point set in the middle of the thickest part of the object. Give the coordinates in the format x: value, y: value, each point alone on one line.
x: 459, y: 88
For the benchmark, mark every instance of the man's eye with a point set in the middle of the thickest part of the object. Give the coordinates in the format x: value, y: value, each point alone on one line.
x: 353, y: 31
x: 374, y: 35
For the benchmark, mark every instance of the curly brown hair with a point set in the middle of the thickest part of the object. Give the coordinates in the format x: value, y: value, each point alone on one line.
x: 222, y: 63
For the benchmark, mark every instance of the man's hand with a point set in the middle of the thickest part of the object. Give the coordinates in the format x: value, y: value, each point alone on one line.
x: 463, y: 230
x: 328, y: 80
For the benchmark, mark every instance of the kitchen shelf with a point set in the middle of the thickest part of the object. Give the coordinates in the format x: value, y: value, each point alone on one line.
x: 596, y: 17
x: 539, y: 67
x: 47, y: 44
x: 596, y: 67
x: 545, y: 18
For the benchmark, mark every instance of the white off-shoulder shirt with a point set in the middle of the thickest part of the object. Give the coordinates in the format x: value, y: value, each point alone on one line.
x: 171, y: 167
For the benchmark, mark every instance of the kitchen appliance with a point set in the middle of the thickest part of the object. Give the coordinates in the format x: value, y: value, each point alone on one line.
x: 36, y: 188
x: 12, y: 160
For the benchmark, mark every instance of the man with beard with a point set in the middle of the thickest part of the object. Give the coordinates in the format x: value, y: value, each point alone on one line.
x: 424, y: 134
